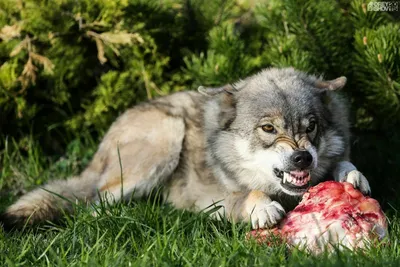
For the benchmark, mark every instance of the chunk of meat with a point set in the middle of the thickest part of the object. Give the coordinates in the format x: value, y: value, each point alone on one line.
x: 330, y: 214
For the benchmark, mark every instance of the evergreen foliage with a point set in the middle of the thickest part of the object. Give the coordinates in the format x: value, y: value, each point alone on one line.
x: 68, y: 67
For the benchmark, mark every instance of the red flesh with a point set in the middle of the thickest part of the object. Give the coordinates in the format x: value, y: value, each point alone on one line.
x: 331, y: 213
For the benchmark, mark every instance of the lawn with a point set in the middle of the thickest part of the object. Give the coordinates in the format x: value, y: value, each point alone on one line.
x: 145, y: 233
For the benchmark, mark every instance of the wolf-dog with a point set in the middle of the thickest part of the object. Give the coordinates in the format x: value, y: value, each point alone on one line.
x: 252, y: 147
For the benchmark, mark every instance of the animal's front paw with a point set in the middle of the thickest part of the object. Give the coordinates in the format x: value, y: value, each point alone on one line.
x: 262, y: 212
x: 267, y: 215
x: 358, y: 180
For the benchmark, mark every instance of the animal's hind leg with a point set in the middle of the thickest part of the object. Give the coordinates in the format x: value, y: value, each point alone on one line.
x: 143, y: 168
x: 146, y: 159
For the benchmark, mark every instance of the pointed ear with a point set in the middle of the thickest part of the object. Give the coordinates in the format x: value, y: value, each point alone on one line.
x: 226, y: 100
x: 224, y: 93
x: 331, y: 85
x: 212, y: 91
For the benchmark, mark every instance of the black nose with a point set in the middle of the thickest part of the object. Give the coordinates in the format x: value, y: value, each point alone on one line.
x: 301, y: 159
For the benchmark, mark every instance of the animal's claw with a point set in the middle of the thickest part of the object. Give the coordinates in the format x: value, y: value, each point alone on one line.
x: 358, y: 180
x: 267, y: 214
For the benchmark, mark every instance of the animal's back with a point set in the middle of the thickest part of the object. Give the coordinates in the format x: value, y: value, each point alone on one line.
x: 147, y: 144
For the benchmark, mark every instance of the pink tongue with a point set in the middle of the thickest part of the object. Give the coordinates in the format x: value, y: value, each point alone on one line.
x: 299, y: 173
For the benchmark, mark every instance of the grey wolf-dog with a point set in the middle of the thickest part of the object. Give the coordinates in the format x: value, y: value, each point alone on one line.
x: 253, y: 147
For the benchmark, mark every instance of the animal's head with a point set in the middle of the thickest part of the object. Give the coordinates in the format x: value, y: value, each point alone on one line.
x: 277, y: 131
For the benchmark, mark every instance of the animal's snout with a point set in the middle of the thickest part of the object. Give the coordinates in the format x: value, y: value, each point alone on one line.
x: 301, y: 159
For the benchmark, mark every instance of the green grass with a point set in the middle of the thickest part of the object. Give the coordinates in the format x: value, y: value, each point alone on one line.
x: 145, y: 233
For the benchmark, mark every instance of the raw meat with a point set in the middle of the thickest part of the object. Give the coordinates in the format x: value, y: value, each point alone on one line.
x: 331, y: 214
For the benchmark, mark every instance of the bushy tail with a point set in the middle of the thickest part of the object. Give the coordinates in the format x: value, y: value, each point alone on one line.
x: 50, y: 202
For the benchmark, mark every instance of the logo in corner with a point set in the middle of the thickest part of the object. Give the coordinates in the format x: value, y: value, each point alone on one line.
x: 383, y: 6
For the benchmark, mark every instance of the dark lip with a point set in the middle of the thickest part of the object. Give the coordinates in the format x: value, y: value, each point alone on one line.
x: 278, y: 173
x: 294, y: 188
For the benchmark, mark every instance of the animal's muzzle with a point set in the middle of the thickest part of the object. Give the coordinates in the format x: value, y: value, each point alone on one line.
x: 301, y: 159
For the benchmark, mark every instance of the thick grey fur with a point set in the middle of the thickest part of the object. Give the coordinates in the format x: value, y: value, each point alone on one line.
x: 210, y: 147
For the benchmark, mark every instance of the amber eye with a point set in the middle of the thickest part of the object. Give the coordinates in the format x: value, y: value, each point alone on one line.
x: 311, y: 127
x: 268, y: 128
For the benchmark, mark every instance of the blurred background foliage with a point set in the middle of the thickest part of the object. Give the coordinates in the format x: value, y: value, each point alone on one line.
x: 68, y: 67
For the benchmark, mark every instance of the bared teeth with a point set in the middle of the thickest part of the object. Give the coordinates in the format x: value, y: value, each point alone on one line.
x: 287, y: 178
x: 298, y: 178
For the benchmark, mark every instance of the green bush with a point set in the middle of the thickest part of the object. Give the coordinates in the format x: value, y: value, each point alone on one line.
x: 69, y: 67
